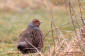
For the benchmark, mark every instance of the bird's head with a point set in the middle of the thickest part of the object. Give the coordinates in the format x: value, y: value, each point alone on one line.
x: 36, y: 22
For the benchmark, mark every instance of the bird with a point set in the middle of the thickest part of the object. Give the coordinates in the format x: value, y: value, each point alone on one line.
x: 31, y: 39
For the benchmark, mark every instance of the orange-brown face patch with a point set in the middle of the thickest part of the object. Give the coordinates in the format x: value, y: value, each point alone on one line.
x: 36, y: 22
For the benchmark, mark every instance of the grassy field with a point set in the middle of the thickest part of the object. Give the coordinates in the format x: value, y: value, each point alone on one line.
x: 12, y: 24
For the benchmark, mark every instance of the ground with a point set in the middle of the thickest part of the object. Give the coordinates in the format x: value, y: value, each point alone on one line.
x: 12, y: 24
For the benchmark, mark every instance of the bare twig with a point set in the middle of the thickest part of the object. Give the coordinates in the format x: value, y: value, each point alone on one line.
x: 70, y: 12
x: 81, y: 12
x: 51, y: 13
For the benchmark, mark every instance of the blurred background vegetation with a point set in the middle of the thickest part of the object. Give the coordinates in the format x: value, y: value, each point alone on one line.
x: 16, y: 14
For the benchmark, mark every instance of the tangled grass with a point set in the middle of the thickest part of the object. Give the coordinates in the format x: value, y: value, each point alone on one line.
x: 67, y: 43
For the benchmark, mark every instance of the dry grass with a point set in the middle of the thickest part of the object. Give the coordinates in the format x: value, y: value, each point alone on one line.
x: 68, y: 42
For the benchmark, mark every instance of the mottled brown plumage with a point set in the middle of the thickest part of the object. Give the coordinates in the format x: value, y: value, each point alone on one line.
x: 32, y: 35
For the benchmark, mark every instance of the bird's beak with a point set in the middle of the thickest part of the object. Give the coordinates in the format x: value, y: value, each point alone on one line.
x: 41, y: 22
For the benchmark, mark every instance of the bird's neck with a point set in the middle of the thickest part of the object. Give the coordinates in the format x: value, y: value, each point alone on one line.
x: 33, y: 26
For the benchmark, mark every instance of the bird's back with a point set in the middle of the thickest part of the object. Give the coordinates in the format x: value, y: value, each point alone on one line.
x: 26, y: 34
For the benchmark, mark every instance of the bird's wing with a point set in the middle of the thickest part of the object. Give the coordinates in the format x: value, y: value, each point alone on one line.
x: 25, y: 35
x: 38, y: 39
